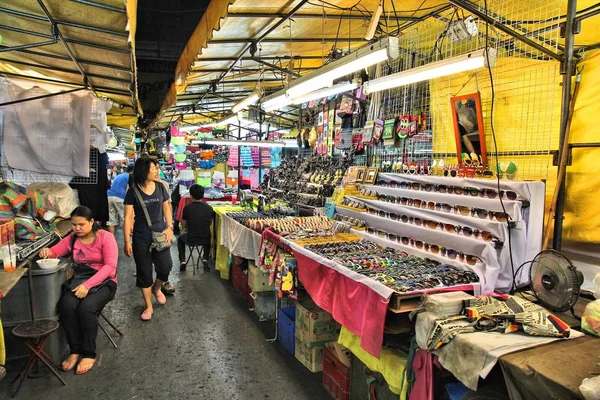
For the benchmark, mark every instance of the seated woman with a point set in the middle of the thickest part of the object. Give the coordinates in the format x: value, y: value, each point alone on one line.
x: 79, y: 307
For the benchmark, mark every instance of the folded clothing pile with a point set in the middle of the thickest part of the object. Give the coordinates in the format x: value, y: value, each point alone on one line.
x: 446, y: 304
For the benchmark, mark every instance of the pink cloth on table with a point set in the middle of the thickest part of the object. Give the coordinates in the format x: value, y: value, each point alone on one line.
x: 102, y: 255
x: 352, y: 304
x: 423, y: 366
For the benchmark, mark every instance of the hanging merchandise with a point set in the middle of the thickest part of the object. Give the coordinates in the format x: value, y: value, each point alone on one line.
x: 275, y: 157
x: 357, y: 142
x: 368, y: 132
x: 255, y: 154
x: 232, y: 161
x: 218, y: 180
x: 181, y: 166
x: 246, y: 157
x: 377, y: 130
x: 388, y: 129
x: 245, y: 178
x: 265, y: 157
x: 204, y: 179
x: 178, y: 141
x: 181, y: 148
x: 221, y: 153
x: 180, y: 157
x: 345, y: 142
x: 207, y: 164
x: 254, y: 178
x: 312, y: 138
x: 232, y: 179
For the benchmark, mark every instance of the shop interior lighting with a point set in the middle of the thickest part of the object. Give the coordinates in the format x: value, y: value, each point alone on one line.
x: 454, y: 65
x: 248, y: 101
x: 226, y: 142
x: 276, y: 101
x: 364, y: 57
x: 230, y: 119
x: 290, y: 143
x: 319, y: 94
x: 374, y: 23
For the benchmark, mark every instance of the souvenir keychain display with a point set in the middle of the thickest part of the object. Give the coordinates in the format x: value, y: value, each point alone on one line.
x: 396, y: 270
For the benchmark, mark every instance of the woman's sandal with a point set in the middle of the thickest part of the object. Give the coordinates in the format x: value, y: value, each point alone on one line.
x: 146, y: 315
x: 70, y: 362
x: 160, y: 297
x: 86, y: 365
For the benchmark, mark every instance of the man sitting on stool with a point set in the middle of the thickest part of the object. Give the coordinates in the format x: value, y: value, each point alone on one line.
x: 195, y: 222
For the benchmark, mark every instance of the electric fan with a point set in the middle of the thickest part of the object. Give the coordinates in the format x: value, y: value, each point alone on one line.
x: 555, y: 281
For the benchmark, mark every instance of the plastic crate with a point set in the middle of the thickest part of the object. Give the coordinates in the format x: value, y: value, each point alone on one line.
x: 287, y: 328
x: 336, y: 377
x: 258, y: 280
x: 239, y: 279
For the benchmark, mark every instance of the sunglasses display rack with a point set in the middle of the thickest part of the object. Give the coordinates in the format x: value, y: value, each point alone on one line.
x: 458, y: 221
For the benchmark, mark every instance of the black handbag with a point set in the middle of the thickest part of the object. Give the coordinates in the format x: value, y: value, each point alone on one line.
x: 81, y: 273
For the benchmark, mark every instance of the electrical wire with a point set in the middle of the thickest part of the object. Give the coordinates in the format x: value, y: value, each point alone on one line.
x: 508, y: 222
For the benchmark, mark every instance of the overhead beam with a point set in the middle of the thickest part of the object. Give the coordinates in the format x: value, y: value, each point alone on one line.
x: 364, y: 16
x: 71, y: 41
x: 286, y: 40
x: 66, y: 70
x: 233, y: 82
x: 100, y: 5
x: 59, y: 22
x: 212, y: 70
x: 65, y: 58
x: 270, y: 58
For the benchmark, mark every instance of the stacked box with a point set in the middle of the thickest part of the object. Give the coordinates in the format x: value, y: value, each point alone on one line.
x: 314, y: 326
x: 310, y: 357
x: 258, y: 280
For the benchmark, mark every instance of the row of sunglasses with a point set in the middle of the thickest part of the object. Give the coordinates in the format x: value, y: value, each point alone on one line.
x: 467, y: 191
x: 450, y: 228
x: 394, y: 269
x: 421, y: 245
x: 458, y: 209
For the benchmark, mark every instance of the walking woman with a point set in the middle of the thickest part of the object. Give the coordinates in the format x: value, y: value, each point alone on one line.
x: 96, y: 252
x: 147, y: 186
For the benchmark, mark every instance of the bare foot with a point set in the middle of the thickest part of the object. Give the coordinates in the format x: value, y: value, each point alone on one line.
x: 70, y: 362
x: 85, y: 365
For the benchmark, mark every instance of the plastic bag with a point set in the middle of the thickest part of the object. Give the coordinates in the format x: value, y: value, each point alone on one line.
x: 590, y: 388
x: 590, y: 321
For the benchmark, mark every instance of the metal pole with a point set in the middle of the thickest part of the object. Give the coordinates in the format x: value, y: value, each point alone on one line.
x: 569, y: 64
x: 39, y: 97
x: 4, y: 49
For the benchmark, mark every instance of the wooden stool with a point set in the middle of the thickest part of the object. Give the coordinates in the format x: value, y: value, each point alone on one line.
x: 34, y: 334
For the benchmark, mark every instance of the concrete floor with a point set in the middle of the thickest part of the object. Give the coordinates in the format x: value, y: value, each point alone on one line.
x: 203, y: 344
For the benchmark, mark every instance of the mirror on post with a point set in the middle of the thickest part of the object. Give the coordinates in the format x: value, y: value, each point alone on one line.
x: 468, y: 127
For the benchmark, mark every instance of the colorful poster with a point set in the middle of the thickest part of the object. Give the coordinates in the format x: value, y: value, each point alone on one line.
x: 388, y: 129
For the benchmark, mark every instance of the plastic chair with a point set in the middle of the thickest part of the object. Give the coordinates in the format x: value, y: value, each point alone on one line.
x: 112, y: 326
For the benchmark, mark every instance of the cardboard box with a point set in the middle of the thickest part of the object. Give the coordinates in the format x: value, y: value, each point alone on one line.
x: 314, y: 326
x: 340, y: 352
x: 258, y: 280
x: 310, y: 357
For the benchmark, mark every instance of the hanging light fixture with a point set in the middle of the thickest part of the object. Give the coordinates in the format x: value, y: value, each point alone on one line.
x: 276, y: 101
x: 362, y: 58
x: 454, y: 65
x: 249, y: 100
x: 319, y: 94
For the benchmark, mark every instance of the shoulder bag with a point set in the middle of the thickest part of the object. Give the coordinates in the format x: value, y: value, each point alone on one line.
x: 81, y: 272
x: 159, y: 239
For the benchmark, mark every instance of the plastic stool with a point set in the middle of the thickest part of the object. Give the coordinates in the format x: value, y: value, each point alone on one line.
x: 34, y: 334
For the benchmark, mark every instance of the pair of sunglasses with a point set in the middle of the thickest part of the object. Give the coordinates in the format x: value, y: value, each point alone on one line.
x: 481, y: 213
x: 462, y: 257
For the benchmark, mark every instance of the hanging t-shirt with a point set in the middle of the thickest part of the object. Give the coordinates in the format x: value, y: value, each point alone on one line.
x: 154, y: 204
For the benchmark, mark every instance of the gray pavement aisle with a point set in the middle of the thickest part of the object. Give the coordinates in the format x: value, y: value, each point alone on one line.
x: 203, y: 344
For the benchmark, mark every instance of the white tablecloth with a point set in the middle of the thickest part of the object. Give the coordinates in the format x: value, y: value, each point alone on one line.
x: 239, y: 240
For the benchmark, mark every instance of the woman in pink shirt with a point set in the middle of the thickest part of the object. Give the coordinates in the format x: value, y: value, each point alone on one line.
x: 79, y: 307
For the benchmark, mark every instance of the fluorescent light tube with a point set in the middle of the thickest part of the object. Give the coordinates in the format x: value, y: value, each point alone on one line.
x: 362, y: 58
x: 290, y: 143
x: 374, y: 23
x: 276, y: 101
x: 225, y: 142
x: 319, y: 94
x: 454, y: 65
x: 249, y: 100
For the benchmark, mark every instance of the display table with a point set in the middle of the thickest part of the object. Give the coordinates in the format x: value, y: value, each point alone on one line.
x: 239, y: 240
x: 222, y: 253
x: 553, y: 371
x: 8, y: 280
x: 188, y: 200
